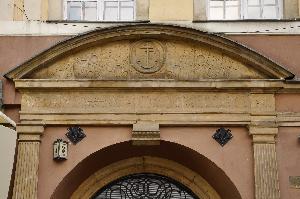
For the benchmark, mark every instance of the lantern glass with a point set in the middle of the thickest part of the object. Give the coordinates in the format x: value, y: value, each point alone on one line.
x: 60, y: 149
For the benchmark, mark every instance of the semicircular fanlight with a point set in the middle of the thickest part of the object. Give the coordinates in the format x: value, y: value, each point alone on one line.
x: 145, y: 186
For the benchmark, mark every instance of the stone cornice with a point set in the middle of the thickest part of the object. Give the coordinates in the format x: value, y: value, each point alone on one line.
x: 255, y: 86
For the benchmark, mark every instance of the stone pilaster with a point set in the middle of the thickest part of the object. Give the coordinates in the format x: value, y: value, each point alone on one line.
x: 265, y: 162
x: 26, y: 174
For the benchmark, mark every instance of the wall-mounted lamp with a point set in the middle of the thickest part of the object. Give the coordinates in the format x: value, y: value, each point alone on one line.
x: 60, y: 149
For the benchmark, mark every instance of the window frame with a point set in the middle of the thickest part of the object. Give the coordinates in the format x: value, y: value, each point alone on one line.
x: 243, y: 11
x: 102, y: 9
x: 224, y: 10
x: 99, y: 10
x: 261, y: 5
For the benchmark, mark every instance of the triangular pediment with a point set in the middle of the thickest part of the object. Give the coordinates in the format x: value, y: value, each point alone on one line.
x: 149, y: 51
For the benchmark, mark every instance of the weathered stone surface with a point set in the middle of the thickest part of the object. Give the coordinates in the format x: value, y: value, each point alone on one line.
x: 215, y: 52
x: 294, y: 182
x: 25, y: 182
x: 135, y: 102
x: 145, y: 133
x: 146, y: 164
x: 174, y: 60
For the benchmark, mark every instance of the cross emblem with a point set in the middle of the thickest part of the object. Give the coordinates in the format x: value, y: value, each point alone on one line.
x: 148, y: 50
x: 147, y: 55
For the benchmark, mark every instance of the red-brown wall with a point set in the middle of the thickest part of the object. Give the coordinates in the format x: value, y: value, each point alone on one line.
x: 235, y: 159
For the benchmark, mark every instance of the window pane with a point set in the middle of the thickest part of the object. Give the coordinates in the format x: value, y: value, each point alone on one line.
x: 254, y: 13
x: 232, y: 3
x: 90, y: 11
x: 74, y: 4
x: 232, y: 13
x: 216, y: 13
x: 90, y: 4
x: 111, y: 4
x: 253, y: 2
x: 126, y: 14
x: 269, y: 12
x: 111, y: 14
x: 269, y: 2
x: 216, y: 3
x: 127, y: 3
x: 74, y: 10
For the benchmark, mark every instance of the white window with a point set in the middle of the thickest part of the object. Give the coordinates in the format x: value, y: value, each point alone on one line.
x: 118, y: 10
x: 106, y: 10
x: 243, y: 9
x: 224, y: 9
x: 81, y: 10
x: 262, y: 9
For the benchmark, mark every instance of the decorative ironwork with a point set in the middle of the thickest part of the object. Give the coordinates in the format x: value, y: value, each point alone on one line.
x: 222, y: 136
x: 145, y: 186
x: 75, y: 134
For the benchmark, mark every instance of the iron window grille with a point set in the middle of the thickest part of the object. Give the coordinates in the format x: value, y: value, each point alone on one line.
x: 145, y: 186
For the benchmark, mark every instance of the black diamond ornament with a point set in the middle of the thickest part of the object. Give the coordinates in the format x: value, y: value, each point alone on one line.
x: 222, y: 136
x: 75, y: 134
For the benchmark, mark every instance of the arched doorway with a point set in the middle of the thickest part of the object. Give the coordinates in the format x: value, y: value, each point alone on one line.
x: 149, y: 172
x: 184, y: 166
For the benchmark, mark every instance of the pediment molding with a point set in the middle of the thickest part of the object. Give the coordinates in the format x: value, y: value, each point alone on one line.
x: 236, y: 57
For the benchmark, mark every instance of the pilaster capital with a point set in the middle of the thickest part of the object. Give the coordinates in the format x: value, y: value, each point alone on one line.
x: 263, y: 135
x: 263, y: 130
x: 29, y: 133
x: 29, y: 129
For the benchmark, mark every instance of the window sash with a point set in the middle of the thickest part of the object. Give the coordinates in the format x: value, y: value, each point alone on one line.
x: 262, y: 8
x: 101, y: 9
x: 119, y: 7
x: 244, y: 8
x: 225, y: 7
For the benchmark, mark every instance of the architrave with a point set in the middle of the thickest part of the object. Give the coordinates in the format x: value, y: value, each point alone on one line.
x: 146, y: 164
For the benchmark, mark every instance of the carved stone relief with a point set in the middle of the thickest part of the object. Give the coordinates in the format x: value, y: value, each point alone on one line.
x: 147, y: 59
x: 147, y: 56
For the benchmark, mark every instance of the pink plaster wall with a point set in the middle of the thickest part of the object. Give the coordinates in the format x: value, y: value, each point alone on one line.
x: 288, y: 155
x: 283, y: 49
x: 287, y: 102
x: 51, y: 172
x: 235, y: 158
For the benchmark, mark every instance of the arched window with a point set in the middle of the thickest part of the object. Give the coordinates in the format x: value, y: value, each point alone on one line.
x: 98, y: 10
x: 244, y: 9
x: 146, y: 186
